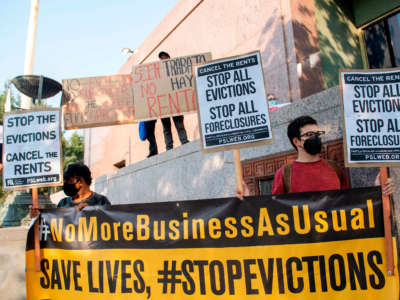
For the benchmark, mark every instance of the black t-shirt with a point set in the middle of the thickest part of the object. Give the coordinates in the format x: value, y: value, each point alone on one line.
x: 93, y: 200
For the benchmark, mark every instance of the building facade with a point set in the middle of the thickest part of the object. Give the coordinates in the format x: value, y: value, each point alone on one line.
x: 303, y: 44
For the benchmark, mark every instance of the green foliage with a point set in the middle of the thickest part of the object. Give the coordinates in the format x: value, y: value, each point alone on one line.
x: 72, y: 152
x: 15, y: 101
x: 72, y: 149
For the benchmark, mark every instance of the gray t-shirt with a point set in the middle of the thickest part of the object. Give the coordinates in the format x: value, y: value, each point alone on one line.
x: 94, y: 200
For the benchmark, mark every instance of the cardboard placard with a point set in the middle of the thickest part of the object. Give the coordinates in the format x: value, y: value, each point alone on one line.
x: 97, y: 101
x: 165, y: 88
x: 370, y: 102
x: 233, y: 108
x: 32, y: 149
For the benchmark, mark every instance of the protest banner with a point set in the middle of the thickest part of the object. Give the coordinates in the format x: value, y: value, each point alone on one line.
x: 370, y: 101
x: 232, y: 103
x: 165, y: 88
x: 293, y: 246
x: 97, y: 101
x: 32, y: 149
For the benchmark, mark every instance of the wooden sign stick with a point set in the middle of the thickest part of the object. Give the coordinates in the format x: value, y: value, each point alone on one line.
x: 387, y: 224
x: 238, y: 170
x: 35, y: 205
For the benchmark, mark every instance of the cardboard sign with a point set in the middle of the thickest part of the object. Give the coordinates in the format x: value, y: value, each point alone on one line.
x: 165, y: 88
x: 292, y: 246
x: 370, y: 101
x: 233, y: 108
x: 32, y: 149
x: 97, y: 101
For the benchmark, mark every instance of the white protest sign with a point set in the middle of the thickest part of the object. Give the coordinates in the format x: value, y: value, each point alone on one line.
x: 232, y: 103
x: 32, y: 149
x: 371, y: 115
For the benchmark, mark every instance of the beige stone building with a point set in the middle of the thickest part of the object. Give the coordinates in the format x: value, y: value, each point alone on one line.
x: 303, y: 44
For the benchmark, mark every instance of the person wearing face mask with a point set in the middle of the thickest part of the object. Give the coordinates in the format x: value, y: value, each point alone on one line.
x: 309, y: 172
x: 77, y: 180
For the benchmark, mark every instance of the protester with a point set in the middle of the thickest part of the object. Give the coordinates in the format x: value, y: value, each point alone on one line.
x: 77, y: 180
x: 310, y: 172
x: 178, y: 121
x: 150, y: 126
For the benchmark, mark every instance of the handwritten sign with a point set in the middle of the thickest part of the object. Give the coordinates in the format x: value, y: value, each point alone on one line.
x: 165, y: 88
x: 233, y: 107
x: 97, y: 101
x: 32, y: 149
x: 371, y: 109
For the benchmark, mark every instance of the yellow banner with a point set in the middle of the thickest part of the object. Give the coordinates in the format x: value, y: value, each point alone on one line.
x: 352, y: 269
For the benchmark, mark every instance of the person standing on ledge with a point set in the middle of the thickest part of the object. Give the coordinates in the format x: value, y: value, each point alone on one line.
x: 178, y: 121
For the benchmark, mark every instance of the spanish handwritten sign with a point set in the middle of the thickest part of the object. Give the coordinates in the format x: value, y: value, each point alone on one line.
x: 290, y: 246
x: 371, y: 109
x: 233, y: 107
x: 32, y: 149
x: 165, y: 88
x: 97, y: 101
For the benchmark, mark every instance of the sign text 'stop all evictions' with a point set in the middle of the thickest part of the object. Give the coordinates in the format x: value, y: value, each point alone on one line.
x: 32, y: 149
x: 97, y: 101
x: 371, y: 113
x: 233, y: 107
x: 165, y: 88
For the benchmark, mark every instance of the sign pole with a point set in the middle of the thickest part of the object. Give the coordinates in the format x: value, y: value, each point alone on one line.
x: 238, y: 170
x: 35, y: 205
x: 387, y: 224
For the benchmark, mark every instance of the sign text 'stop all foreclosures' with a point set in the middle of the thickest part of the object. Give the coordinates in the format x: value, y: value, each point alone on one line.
x: 165, y: 88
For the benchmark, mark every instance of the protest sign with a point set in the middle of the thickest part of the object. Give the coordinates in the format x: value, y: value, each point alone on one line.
x: 370, y: 101
x: 165, y: 88
x: 32, y: 149
x: 293, y: 246
x: 233, y: 109
x: 97, y: 101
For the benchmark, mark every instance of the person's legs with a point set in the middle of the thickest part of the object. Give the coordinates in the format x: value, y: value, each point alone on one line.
x: 180, y: 128
x: 150, y: 125
x: 166, y: 122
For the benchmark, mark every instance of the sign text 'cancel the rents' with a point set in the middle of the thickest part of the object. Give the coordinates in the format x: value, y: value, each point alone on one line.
x: 32, y: 149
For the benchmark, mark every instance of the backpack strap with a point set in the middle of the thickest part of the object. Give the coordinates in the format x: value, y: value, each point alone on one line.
x: 287, y: 177
x: 337, y: 169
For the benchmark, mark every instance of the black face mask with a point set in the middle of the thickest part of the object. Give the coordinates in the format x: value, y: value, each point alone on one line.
x: 313, y: 145
x: 70, y: 189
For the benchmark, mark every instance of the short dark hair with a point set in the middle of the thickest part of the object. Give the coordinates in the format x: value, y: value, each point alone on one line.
x: 163, y: 53
x: 79, y: 170
x: 293, y: 130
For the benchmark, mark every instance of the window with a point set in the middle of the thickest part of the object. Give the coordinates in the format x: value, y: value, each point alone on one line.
x: 265, y: 186
x: 382, y: 42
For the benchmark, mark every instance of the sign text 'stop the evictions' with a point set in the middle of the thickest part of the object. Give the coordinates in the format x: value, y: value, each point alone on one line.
x: 97, y: 101
x: 371, y: 110
x: 32, y: 149
x: 165, y: 88
x: 233, y: 108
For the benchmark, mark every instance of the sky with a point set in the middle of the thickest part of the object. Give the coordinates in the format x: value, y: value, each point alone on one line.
x: 75, y: 38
